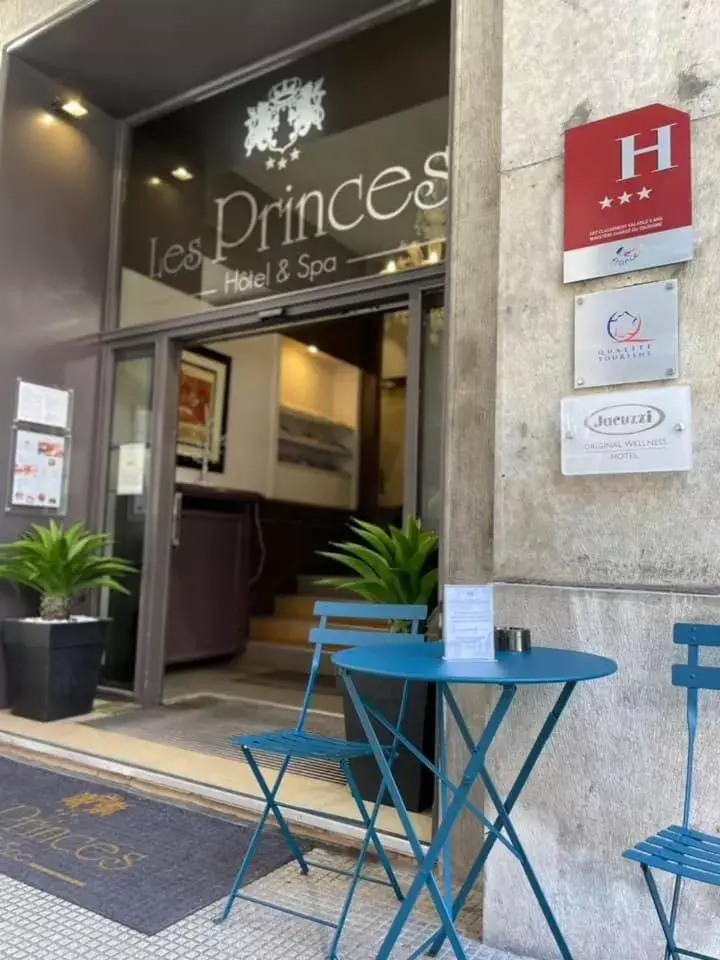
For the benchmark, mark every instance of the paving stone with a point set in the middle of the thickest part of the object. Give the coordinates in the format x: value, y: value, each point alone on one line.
x: 37, y: 926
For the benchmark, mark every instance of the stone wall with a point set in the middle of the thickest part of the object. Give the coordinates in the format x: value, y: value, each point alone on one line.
x: 18, y: 17
x: 614, y: 772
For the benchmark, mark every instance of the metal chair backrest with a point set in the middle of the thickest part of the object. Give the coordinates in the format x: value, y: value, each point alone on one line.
x: 694, y: 677
x: 346, y: 635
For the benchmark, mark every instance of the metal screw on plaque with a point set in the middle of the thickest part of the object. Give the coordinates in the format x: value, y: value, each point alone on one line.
x: 679, y: 427
x: 512, y: 640
x: 670, y: 285
x: 579, y: 301
x: 670, y: 372
x: 569, y: 434
x: 579, y: 382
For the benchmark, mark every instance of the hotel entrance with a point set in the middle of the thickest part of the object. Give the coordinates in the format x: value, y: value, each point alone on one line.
x: 282, y: 436
x: 274, y: 370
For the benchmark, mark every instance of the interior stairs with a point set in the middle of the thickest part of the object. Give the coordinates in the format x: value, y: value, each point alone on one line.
x: 280, y: 641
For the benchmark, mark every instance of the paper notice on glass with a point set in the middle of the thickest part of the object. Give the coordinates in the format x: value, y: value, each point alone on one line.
x: 131, y: 469
x: 38, y: 470
x: 468, y: 623
x: 46, y: 406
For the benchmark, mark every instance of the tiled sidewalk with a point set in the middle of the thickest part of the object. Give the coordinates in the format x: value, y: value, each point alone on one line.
x: 37, y: 926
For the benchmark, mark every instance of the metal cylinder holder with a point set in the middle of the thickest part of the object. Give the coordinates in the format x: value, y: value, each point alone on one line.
x: 512, y: 640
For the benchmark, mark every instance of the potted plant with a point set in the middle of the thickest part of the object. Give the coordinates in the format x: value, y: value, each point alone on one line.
x: 398, y: 567
x: 53, y: 661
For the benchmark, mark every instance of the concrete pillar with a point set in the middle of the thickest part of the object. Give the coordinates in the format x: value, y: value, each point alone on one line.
x: 606, y: 564
x: 471, y: 342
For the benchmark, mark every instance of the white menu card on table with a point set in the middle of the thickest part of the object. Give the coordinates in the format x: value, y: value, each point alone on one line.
x: 468, y: 623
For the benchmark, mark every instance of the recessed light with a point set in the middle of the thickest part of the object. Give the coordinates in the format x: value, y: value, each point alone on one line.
x: 182, y: 173
x: 312, y: 348
x: 74, y: 108
x: 154, y: 181
x: 47, y: 118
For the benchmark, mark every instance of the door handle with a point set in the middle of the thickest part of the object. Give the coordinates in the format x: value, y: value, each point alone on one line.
x: 176, y: 514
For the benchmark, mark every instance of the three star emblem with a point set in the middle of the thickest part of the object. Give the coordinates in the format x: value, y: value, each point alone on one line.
x: 625, y: 197
x: 271, y: 163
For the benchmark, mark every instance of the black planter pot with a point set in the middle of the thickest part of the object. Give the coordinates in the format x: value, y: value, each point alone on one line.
x: 53, y: 667
x: 415, y: 781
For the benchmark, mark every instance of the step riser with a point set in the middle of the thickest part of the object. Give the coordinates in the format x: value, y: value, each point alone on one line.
x: 308, y: 585
x: 295, y: 659
x: 292, y: 630
x: 299, y: 606
x: 282, y: 632
x: 302, y: 608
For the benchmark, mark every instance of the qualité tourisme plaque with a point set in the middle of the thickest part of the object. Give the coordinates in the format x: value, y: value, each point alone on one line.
x: 628, y: 193
x: 627, y: 335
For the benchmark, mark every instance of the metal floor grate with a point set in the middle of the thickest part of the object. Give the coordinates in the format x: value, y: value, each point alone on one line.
x: 204, y: 723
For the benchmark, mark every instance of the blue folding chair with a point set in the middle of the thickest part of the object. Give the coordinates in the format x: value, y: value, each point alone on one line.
x: 298, y: 743
x: 679, y: 850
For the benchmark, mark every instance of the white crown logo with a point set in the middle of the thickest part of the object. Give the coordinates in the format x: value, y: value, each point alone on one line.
x: 299, y: 104
x: 285, y: 90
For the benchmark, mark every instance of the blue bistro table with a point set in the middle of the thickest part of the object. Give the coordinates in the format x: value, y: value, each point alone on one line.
x: 423, y: 662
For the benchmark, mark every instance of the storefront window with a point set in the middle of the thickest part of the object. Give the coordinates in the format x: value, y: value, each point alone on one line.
x: 333, y: 168
x: 431, y: 412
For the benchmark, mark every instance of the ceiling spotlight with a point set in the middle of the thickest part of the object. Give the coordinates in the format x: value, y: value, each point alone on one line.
x: 312, y: 348
x: 47, y: 118
x: 154, y: 181
x: 74, y: 108
x: 182, y: 173
x: 390, y: 267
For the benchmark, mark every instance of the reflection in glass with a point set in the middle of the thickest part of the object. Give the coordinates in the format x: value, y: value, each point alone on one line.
x: 393, y: 405
x: 128, y: 474
x: 431, y: 412
x: 334, y: 167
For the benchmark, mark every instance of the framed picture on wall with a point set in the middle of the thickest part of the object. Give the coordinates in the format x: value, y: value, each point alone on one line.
x: 203, y: 408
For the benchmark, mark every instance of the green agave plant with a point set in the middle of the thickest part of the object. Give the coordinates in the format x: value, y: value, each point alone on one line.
x: 61, y: 565
x: 390, y: 566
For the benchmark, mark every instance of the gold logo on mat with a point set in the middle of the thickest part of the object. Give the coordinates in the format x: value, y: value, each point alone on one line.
x: 96, y: 804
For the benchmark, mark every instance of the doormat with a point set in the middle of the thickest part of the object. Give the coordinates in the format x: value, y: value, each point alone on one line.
x: 139, y: 862
x: 205, y: 724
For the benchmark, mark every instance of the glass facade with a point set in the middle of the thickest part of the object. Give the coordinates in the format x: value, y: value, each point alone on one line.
x: 128, y: 477
x: 332, y: 168
x: 431, y: 407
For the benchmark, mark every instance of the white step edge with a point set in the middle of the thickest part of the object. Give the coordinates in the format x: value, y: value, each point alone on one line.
x: 194, y: 788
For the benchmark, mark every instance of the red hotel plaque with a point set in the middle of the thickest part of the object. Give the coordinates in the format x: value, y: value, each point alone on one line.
x: 628, y: 193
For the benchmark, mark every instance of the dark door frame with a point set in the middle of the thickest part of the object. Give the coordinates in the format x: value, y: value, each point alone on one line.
x: 166, y: 340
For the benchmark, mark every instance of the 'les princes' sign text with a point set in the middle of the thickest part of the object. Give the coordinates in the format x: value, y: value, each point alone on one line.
x: 245, y: 222
x: 387, y: 195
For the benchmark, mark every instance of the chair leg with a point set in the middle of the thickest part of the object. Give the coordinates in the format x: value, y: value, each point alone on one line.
x: 272, y: 803
x: 370, y: 821
x: 270, y: 807
x: 672, y: 948
x: 674, y: 910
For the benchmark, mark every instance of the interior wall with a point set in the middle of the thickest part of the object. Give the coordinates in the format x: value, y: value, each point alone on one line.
x: 251, y: 426
x: 317, y: 384
x: 269, y: 370
x: 613, y: 772
x: 55, y: 195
